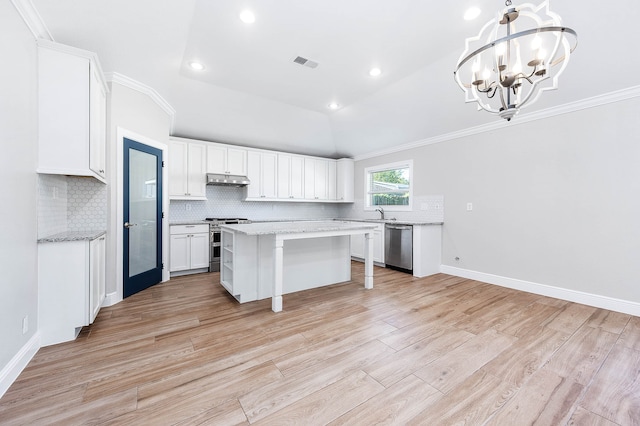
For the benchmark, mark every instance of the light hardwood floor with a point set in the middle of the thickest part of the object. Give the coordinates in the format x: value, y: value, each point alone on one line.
x: 440, y: 350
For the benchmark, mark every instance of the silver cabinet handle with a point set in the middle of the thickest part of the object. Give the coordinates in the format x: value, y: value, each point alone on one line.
x: 129, y: 225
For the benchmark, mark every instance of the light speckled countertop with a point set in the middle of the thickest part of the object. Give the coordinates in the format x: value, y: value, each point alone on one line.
x: 72, y: 236
x: 396, y: 221
x: 272, y: 228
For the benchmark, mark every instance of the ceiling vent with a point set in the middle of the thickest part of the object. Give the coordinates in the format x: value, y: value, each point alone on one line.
x: 306, y: 62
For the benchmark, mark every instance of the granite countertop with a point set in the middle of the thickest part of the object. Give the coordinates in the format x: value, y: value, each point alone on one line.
x: 272, y: 228
x: 72, y: 236
x: 396, y: 221
x: 189, y: 222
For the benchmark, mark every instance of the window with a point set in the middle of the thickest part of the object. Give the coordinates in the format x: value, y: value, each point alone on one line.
x: 389, y: 186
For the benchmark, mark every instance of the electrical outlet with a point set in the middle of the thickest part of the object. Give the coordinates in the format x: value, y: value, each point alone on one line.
x: 469, y: 207
x: 54, y: 193
x: 187, y: 207
x: 437, y: 206
x: 25, y: 324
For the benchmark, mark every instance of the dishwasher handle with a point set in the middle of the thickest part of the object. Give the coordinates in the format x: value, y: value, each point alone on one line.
x: 399, y: 227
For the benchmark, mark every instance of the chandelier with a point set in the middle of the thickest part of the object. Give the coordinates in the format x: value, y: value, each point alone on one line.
x: 515, y: 57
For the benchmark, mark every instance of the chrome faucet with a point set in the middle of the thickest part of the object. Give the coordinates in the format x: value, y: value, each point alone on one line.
x: 381, y: 210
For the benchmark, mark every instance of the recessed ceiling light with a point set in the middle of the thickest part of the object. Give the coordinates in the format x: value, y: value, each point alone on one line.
x: 471, y: 13
x: 247, y: 17
x: 334, y: 106
x: 375, y: 72
x: 196, y: 66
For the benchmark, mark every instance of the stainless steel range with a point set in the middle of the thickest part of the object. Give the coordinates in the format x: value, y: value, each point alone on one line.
x: 214, y: 235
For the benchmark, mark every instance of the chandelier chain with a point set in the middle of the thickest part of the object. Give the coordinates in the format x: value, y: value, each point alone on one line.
x: 507, y: 3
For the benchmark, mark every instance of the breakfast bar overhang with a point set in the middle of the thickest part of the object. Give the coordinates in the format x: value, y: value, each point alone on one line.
x: 261, y: 260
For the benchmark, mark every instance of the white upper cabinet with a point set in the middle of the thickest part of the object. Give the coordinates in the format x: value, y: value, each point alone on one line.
x: 344, y: 180
x: 262, y: 172
x: 71, y: 112
x: 187, y: 170
x: 226, y: 160
x: 290, y: 177
x: 316, y: 178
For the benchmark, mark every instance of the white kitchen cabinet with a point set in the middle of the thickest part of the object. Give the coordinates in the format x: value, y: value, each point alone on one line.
x: 357, y: 245
x: 226, y: 160
x: 189, y: 249
x: 71, y: 287
x: 97, y: 272
x: 262, y: 172
x: 316, y: 179
x: 187, y: 170
x: 344, y: 180
x: 71, y: 112
x: 290, y: 177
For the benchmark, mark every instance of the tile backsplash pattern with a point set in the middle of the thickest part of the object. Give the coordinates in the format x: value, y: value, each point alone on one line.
x: 428, y: 208
x: 225, y: 201
x: 229, y: 202
x: 70, y: 203
x: 86, y: 204
x: 52, y: 204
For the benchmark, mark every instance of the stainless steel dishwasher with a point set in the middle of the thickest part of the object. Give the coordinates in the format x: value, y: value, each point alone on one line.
x: 398, y: 250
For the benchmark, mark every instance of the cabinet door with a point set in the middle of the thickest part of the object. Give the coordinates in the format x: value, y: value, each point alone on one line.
x: 297, y: 178
x: 178, y: 155
x: 344, y: 180
x: 357, y: 246
x: 269, y: 175
x: 96, y: 276
x: 237, y: 161
x: 197, y: 170
x: 216, y: 159
x: 321, y: 179
x: 199, y: 245
x: 179, y: 253
x: 331, y: 180
x: 97, y: 125
x: 378, y: 245
x: 254, y: 174
x: 309, y: 178
x: 284, y: 176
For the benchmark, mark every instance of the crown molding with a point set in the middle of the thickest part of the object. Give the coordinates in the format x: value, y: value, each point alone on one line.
x: 32, y: 18
x: 114, y: 77
x: 594, y: 101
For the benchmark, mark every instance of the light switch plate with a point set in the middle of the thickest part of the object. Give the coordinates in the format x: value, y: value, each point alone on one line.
x: 469, y: 207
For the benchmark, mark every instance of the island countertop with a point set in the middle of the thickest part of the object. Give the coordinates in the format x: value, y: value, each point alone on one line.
x: 297, y: 227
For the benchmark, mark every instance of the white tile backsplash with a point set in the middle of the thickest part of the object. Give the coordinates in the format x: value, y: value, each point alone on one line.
x: 229, y: 202
x: 225, y: 201
x: 70, y: 203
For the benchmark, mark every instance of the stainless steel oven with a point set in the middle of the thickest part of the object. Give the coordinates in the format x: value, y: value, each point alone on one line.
x: 214, y: 239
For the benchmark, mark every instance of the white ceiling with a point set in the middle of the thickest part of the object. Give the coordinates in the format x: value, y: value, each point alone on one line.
x: 252, y: 93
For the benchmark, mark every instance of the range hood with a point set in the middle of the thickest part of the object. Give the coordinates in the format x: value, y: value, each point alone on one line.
x: 227, y: 180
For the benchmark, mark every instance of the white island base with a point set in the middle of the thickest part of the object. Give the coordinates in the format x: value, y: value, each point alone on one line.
x: 263, y: 260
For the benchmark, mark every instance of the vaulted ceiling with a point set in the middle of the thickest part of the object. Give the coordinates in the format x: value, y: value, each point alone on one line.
x: 251, y: 91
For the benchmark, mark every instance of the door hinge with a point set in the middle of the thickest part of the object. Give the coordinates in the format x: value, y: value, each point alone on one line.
x: 163, y: 215
x: 162, y: 163
x: 163, y: 266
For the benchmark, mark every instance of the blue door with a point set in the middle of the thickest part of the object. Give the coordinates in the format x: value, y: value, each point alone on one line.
x: 142, y: 216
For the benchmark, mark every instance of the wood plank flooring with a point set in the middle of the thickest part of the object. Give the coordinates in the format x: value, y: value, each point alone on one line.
x: 439, y: 350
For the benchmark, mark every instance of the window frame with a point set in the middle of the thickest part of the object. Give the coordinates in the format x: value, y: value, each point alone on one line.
x: 368, y: 171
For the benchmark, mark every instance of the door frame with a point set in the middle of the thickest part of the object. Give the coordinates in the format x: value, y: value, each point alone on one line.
x: 117, y: 228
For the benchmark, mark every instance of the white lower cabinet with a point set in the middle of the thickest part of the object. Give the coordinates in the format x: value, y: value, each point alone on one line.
x: 71, y: 287
x: 238, y: 266
x: 357, y: 245
x: 189, y: 249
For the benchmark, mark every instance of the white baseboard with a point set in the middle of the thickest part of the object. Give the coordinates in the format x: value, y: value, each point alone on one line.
x: 111, y: 299
x: 604, y: 302
x: 12, y: 370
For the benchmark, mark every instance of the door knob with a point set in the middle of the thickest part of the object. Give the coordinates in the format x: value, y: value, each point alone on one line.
x: 129, y: 225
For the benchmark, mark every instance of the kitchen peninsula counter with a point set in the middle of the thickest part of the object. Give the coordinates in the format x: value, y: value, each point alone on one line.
x: 262, y: 260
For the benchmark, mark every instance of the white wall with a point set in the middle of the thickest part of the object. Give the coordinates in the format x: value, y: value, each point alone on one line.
x: 18, y: 233
x: 134, y: 112
x: 555, y: 201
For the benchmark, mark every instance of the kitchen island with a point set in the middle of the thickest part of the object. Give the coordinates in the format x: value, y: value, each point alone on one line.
x: 262, y: 260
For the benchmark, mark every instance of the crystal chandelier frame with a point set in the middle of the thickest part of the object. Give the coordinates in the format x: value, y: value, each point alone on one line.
x: 496, y: 77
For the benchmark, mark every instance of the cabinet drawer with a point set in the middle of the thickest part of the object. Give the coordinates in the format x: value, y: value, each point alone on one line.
x: 188, y: 229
